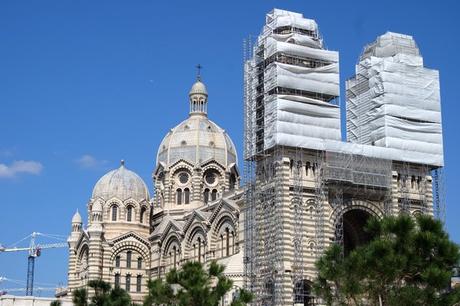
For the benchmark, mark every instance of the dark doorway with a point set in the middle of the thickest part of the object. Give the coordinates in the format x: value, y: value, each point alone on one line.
x: 354, y: 235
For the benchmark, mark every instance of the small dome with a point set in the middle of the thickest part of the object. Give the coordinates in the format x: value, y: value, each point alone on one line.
x: 122, y: 184
x: 77, y: 218
x: 198, y: 88
x: 197, y: 140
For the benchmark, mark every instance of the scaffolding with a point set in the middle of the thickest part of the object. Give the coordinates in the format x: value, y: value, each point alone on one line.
x: 298, y: 207
x: 249, y: 175
x: 319, y: 203
x: 291, y: 130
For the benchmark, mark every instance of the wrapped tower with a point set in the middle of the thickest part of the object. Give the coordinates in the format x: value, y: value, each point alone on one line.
x: 393, y: 101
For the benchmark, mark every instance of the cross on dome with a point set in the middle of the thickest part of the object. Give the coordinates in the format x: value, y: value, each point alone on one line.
x: 198, y: 74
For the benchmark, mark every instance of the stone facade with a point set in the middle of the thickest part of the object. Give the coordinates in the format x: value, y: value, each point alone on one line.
x: 301, y: 207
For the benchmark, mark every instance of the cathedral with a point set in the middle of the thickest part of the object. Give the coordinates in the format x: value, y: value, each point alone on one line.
x: 194, y: 214
x: 305, y: 186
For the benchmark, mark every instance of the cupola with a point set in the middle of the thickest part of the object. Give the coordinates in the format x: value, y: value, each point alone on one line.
x: 198, y: 96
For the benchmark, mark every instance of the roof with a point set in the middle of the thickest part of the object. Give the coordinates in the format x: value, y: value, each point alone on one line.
x: 122, y: 184
x: 197, y: 140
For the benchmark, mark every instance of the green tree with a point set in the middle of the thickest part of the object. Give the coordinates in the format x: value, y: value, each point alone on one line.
x: 407, y: 262
x: 103, y: 295
x: 194, y: 286
x: 56, y: 303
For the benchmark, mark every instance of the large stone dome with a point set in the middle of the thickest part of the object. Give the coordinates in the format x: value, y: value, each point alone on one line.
x: 197, y: 140
x: 122, y: 184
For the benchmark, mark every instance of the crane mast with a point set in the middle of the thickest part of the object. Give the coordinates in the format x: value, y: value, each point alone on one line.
x: 34, y: 251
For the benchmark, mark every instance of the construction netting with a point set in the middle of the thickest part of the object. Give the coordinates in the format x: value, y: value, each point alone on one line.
x: 292, y: 86
x: 393, y: 101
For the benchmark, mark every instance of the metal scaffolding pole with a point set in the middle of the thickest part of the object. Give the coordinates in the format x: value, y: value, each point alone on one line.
x: 319, y: 203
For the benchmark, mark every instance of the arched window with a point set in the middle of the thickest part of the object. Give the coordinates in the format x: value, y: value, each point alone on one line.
x: 186, y: 196
x: 175, y: 256
x: 206, y: 196
x: 199, y: 249
x: 233, y: 242
x: 141, y: 219
x: 214, y: 195
x: 129, y: 214
x: 307, y: 168
x: 117, y: 280
x: 128, y: 259
x: 222, y: 245
x: 269, y: 289
x: 227, y: 246
x: 138, y: 283
x: 114, y: 212
x: 128, y: 283
x: 179, y: 196
x: 117, y: 261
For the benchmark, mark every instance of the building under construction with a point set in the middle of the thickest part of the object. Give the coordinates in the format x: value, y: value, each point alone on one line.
x: 307, y: 188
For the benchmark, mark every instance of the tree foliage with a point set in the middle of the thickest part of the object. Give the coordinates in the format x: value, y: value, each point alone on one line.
x: 408, y: 262
x: 103, y: 295
x: 56, y: 303
x: 194, y: 286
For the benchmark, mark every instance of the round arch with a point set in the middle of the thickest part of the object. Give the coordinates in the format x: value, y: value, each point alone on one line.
x: 354, y: 219
x: 223, y: 219
x: 129, y: 245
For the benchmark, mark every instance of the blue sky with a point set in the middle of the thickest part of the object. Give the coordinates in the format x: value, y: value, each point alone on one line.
x: 84, y: 84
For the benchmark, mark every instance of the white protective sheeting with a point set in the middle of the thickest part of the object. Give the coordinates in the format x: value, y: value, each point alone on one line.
x: 394, y: 102
x: 301, y: 67
x: 287, y: 117
x: 273, y: 46
x: 357, y: 149
x: 323, y: 80
x: 286, y: 18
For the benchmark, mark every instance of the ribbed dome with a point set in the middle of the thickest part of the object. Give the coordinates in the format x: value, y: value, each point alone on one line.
x: 198, y: 88
x: 197, y: 140
x: 122, y: 184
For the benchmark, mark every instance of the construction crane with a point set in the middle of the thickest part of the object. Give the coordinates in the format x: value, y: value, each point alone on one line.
x: 34, y: 250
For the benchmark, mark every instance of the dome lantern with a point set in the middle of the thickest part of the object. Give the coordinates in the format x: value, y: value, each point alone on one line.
x: 77, y: 222
x: 198, y: 96
x: 76, y: 219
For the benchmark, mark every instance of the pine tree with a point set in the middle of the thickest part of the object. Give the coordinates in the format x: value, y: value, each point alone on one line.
x: 104, y: 295
x: 408, y: 262
x: 194, y: 286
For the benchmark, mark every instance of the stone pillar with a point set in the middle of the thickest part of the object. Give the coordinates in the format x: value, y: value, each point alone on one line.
x: 197, y: 185
x: 95, y: 253
x: 71, y: 269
